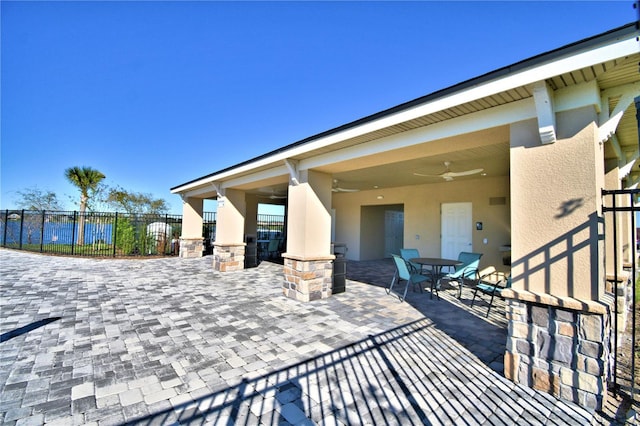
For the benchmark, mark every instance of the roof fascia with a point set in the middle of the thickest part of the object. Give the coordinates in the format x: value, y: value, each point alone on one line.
x: 608, y: 46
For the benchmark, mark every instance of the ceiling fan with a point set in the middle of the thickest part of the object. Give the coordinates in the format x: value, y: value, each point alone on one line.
x: 336, y: 188
x: 448, y: 175
x: 273, y: 195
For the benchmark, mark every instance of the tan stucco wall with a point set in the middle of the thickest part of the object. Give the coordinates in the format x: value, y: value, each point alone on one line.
x: 555, y: 200
x: 192, y: 217
x: 372, y: 220
x: 422, y: 215
x: 251, y: 217
x: 309, y: 217
x: 230, y: 217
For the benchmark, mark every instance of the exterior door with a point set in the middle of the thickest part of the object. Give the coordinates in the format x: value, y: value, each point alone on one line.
x: 393, y: 232
x: 456, y: 229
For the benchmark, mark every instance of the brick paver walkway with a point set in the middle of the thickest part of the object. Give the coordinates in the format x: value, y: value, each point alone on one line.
x: 170, y: 341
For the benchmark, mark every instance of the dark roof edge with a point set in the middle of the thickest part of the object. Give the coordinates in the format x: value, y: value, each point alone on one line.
x: 484, y: 78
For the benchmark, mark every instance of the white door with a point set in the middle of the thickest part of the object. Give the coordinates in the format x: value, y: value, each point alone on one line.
x: 456, y: 229
x: 393, y: 232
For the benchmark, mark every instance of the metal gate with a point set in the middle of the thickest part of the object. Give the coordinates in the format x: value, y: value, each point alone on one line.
x: 620, y: 210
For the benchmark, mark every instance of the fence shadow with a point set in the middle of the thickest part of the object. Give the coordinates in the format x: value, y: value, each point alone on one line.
x: 485, y: 337
x: 412, y: 374
x: 27, y: 328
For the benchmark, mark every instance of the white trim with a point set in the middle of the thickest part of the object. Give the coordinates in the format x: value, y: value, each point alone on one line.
x: 485, y: 119
x: 294, y: 173
x: 530, y: 75
x: 609, y: 122
x: 543, y: 98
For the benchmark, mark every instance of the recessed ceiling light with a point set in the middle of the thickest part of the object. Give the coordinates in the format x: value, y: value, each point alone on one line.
x: 375, y: 187
x: 380, y: 197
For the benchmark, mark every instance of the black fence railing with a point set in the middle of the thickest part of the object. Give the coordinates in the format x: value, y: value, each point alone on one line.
x: 108, y: 234
x: 209, y: 231
x: 271, y: 238
x: 621, y: 209
x: 97, y: 234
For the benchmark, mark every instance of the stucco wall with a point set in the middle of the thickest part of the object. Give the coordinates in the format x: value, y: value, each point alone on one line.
x: 372, y: 239
x: 556, y: 189
x: 422, y: 215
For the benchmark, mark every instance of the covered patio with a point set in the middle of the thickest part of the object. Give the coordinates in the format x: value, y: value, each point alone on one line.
x: 170, y: 341
x: 510, y: 164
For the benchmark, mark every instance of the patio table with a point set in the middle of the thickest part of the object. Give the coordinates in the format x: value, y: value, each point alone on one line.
x: 436, y: 264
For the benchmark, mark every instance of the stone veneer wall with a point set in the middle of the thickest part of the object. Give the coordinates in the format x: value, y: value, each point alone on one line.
x: 191, y: 247
x: 227, y: 258
x: 563, y: 352
x: 307, y: 280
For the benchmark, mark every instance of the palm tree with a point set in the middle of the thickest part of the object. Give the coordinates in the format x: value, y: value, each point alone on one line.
x: 86, y: 179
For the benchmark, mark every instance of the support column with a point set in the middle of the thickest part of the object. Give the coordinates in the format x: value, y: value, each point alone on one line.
x: 308, y: 262
x: 191, y: 240
x: 559, y: 314
x: 229, y: 247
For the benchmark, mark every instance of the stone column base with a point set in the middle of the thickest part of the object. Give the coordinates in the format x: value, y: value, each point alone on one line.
x: 191, y: 247
x: 308, y: 279
x: 561, y: 351
x: 228, y: 257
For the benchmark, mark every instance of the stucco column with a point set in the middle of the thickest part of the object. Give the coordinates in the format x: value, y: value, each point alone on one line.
x: 308, y: 262
x: 191, y: 239
x: 558, y: 315
x: 555, y: 205
x: 228, y: 249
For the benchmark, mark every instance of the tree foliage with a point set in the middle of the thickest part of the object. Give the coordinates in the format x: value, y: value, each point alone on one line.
x: 136, y: 202
x: 38, y: 199
x: 86, y: 180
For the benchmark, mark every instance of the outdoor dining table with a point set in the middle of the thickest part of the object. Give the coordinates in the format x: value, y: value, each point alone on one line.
x: 436, y: 264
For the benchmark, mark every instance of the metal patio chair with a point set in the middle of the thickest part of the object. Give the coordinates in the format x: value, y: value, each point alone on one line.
x: 466, y: 273
x: 491, y: 283
x: 403, y: 273
x: 411, y: 253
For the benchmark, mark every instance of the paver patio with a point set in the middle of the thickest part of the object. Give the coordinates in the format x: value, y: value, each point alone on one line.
x: 171, y: 341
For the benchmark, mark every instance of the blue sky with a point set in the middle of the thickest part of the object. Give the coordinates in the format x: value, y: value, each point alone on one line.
x: 154, y: 94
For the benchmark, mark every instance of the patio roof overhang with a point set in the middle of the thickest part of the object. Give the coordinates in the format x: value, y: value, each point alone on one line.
x: 467, y: 124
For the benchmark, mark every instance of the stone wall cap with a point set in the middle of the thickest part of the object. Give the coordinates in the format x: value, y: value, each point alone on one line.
x: 308, y: 258
x: 589, y: 306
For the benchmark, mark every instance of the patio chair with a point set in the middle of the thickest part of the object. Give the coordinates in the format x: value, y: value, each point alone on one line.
x: 466, y: 273
x: 411, y: 253
x: 273, y: 248
x: 403, y: 273
x: 491, y: 283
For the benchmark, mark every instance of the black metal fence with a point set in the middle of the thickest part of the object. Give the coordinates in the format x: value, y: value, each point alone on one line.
x: 108, y: 234
x: 621, y: 208
x: 271, y: 238
x: 91, y: 234
x: 209, y: 231
x: 270, y: 226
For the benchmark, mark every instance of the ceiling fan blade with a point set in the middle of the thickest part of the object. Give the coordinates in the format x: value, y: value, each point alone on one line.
x: 426, y: 175
x: 464, y: 173
x: 272, y: 197
x: 336, y: 188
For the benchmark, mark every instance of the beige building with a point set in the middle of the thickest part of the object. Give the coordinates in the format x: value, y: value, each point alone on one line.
x: 511, y: 164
